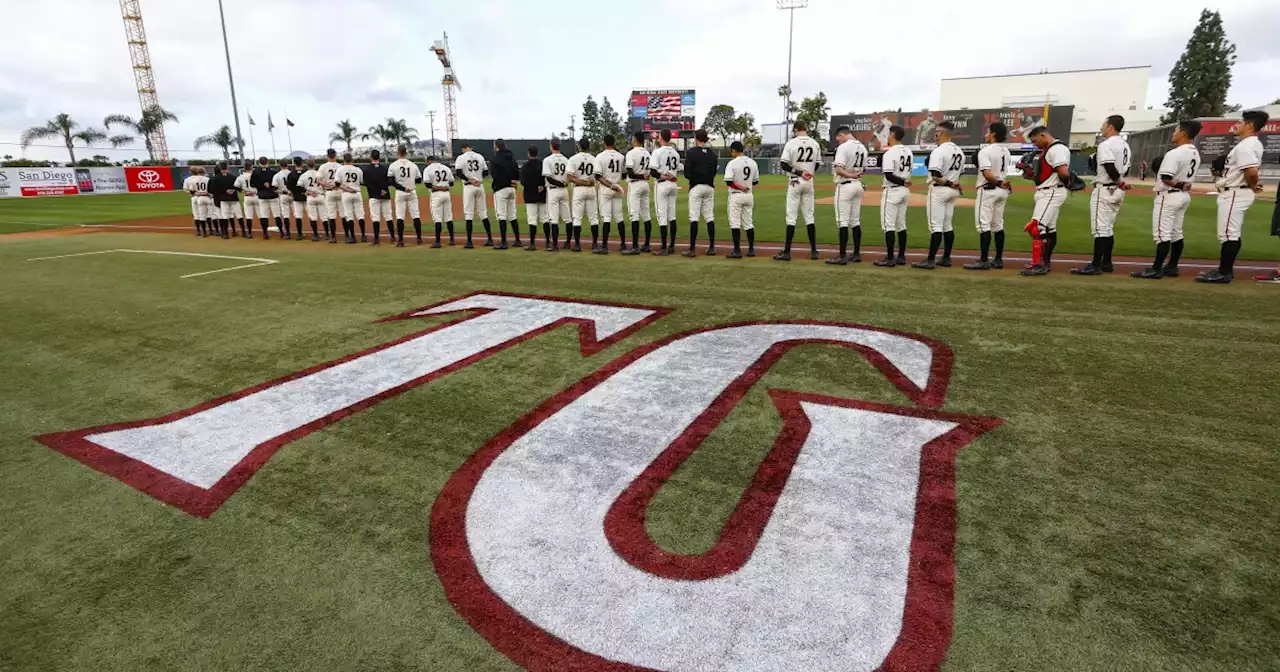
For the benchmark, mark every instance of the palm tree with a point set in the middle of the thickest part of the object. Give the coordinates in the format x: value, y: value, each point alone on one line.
x: 222, y: 138
x: 346, y: 133
x: 152, y: 120
x: 401, y: 132
x: 380, y: 133
x: 65, y: 128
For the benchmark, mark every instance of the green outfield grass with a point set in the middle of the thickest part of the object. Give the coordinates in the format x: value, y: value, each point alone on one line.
x: 1133, y: 228
x: 1122, y: 517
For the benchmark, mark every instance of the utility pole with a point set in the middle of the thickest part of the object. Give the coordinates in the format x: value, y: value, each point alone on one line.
x: 432, y: 115
x: 235, y: 111
x: 791, y: 6
x: 572, y: 130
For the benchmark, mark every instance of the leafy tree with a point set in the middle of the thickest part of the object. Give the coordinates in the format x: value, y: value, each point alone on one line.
x: 400, y: 132
x: 377, y: 132
x: 152, y: 120
x: 346, y: 133
x: 788, y: 106
x: 223, y: 138
x: 64, y: 128
x: 719, y: 119
x: 814, y: 110
x: 1200, y: 79
x: 611, y: 122
x: 1276, y: 101
x: 743, y: 126
x: 1235, y: 107
x: 592, y: 128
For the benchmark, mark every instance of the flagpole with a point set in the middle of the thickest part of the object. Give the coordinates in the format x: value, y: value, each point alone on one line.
x: 271, y: 131
x: 288, y: 133
x: 253, y: 147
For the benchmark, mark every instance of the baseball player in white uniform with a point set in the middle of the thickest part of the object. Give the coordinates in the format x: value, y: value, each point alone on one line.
x: 349, y: 180
x: 1053, y: 173
x: 439, y: 180
x: 637, y: 168
x: 946, y: 164
x: 405, y: 176
x: 665, y: 166
x: 197, y: 184
x: 1174, y: 175
x: 741, y: 176
x: 309, y: 180
x: 896, y: 165
x: 554, y: 170
x: 992, y: 194
x: 332, y: 195
x: 1113, y: 158
x: 250, y: 210
x: 283, y: 201
x: 1236, y: 189
x: 849, y: 164
x: 799, y: 160
x: 471, y: 168
x: 609, y: 166
x: 582, y: 174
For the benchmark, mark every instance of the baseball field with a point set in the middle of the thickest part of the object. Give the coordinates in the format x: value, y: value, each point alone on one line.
x: 221, y: 454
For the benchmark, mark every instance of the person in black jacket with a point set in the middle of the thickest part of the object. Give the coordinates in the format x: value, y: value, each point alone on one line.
x: 378, y: 184
x: 535, y: 195
x: 700, y: 166
x: 267, y: 198
x: 505, y: 174
x: 298, y: 194
x: 222, y: 186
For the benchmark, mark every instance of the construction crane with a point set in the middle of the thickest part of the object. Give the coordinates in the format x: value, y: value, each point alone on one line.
x: 450, y: 80
x: 142, y: 73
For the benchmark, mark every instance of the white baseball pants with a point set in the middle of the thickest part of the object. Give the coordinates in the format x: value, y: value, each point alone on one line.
x: 253, y: 208
x: 638, y: 201
x: 1232, y: 204
x: 1167, y: 215
x: 849, y: 205
x: 204, y: 208
x: 610, y: 205
x: 380, y: 210
x: 741, y: 210
x: 230, y: 210
x: 799, y: 201
x: 352, y: 205
x: 941, y: 208
x: 584, y: 203
x: 316, y: 209
x: 990, y: 209
x: 504, y: 204
x: 537, y: 213
x: 333, y: 204
x: 473, y: 202
x: 664, y: 202
x: 702, y: 203
x: 407, y: 205
x: 1048, y: 206
x: 441, y: 207
x: 558, y: 206
x: 1104, y: 206
x: 893, y: 207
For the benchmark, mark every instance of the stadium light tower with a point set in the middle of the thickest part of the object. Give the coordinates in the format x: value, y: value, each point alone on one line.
x: 791, y: 6
x: 450, y: 81
x: 143, y: 75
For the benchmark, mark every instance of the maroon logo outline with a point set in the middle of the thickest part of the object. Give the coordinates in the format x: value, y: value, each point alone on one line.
x: 202, y: 503
x: 927, y: 619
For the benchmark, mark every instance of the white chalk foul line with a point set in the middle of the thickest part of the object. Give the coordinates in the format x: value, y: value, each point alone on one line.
x: 257, y: 261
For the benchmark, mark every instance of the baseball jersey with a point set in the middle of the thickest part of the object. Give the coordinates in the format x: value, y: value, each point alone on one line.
x: 350, y: 177
x: 404, y: 174
x: 242, y: 183
x: 1246, y: 154
x: 438, y: 175
x: 803, y: 153
x: 896, y: 161
x: 742, y: 172
x: 195, y: 184
x: 471, y: 165
x: 310, y: 181
x: 1113, y: 150
x: 665, y: 160
x: 280, y: 181
x: 638, y: 161
x: 852, y: 156
x: 583, y: 166
x: 947, y: 161
x: 1057, y: 155
x: 555, y: 166
x: 329, y: 175
x: 995, y: 158
x: 609, y: 166
x: 1179, y: 163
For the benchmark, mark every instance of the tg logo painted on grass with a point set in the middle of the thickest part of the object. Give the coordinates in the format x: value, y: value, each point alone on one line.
x: 837, y: 556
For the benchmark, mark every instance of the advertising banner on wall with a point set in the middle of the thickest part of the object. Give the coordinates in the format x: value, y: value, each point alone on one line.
x: 142, y: 179
x: 873, y: 129
x: 1218, y: 136
x: 47, y: 181
x: 9, y: 183
x: 107, y: 181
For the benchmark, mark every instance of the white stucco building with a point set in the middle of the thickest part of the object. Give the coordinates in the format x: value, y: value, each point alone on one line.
x: 1096, y: 94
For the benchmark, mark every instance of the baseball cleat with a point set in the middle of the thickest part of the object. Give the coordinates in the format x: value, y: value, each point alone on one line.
x: 887, y: 262
x: 1147, y: 273
x: 978, y: 266
x: 782, y: 256
x: 1108, y: 268
x: 997, y: 264
x: 1035, y: 270
x: 813, y: 255
x: 945, y: 263
x: 662, y: 252
x: 689, y: 253
x: 631, y: 251
x: 400, y: 244
x: 434, y: 246
x: 1215, y: 277
x: 1087, y: 269
x: 376, y: 243
x: 531, y: 247
x: 733, y: 255
x: 599, y: 250
x: 488, y: 243
x: 645, y: 248
x: 576, y: 247
x: 855, y: 259
x: 468, y: 246
x: 1170, y: 271
x: 901, y: 260
x: 925, y: 264
x: 837, y: 261
x: 711, y: 251
x: 751, y: 252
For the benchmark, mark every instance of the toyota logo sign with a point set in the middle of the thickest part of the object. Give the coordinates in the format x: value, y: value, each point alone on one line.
x: 149, y: 176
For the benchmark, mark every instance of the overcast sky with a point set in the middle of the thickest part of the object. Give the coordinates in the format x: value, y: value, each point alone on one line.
x: 527, y: 65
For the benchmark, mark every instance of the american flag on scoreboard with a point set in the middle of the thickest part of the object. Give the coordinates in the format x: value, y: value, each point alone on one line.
x: 664, y: 106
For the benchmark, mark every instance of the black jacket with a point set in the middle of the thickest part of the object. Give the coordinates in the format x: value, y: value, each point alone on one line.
x: 376, y: 181
x: 299, y: 194
x: 701, y: 165
x: 223, y: 188
x: 531, y: 180
x: 503, y: 169
x: 260, y: 179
